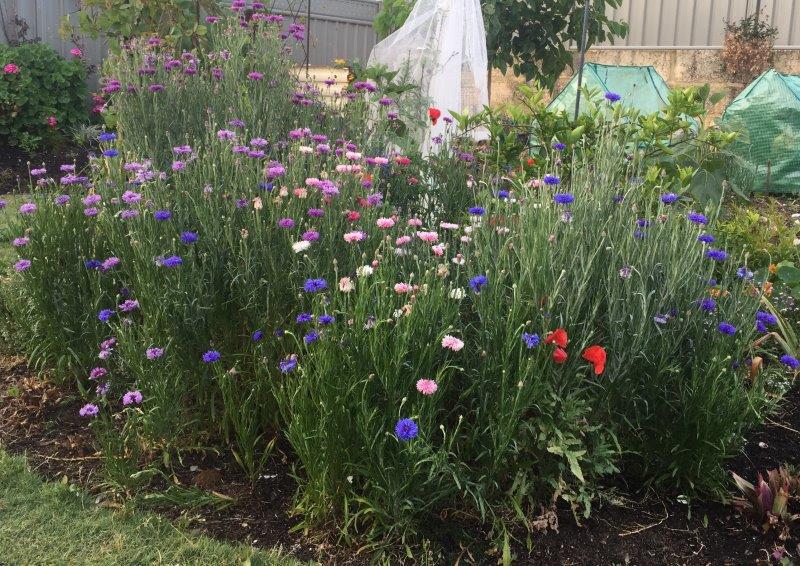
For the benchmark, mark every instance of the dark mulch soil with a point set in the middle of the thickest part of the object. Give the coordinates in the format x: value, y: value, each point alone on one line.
x: 40, y: 420
x: 15, y: 163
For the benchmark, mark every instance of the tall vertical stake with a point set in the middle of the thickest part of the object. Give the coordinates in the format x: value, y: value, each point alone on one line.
x: 308, y: 38
x: 582, y: 56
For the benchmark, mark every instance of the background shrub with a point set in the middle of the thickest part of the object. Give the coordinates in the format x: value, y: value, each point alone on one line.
x: 36, y: 84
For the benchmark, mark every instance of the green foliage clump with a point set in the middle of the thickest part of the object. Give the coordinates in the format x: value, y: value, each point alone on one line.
x: 36, y: 84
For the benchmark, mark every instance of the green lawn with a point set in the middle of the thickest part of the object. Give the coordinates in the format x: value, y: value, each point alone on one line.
x: 46, y: 523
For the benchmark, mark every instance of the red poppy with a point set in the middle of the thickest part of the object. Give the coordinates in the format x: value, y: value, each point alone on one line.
x: 596, y: 355
x: 434, y: 114
x: 559, y: 355
x: 557, y: 337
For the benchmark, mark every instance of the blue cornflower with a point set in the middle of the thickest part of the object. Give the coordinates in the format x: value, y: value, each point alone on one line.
x: 697, y: 218
x: 558, y: 146
x: 110, y: 153
x: 531, y: 340
x: 642, y: 223
x: 706, y: 238
x: 660, y: 319
x: 478, y: 282
x: 189, y: 237
x: 304, y: 317
x: 107, y: 137
x: 616, y: 199
x: 727, y: 328
x: 503, y: 194
x: 311, y: 337
x: 162, y: 215
x: 288, y: 364
x: 325, y: 319
x: 767, y: 318
x: 761, y: 327
x: 551, y: 180
x: 708, y: 304
x: 744, y: 273
x: 477, y: 210
x: 612, y: 97
x: 104, y: 315
x: 257, y: 335
x: 406, y: 429
x: 717, y: 255
x: 92, y: 263
x: 639, y: 234
x: 266, y: 186
x: 211, y: 356
x: 315, y: 285
x: 172, y: 261
x: 563, y: 198
x: 669, y: 198
x: 790, y: 361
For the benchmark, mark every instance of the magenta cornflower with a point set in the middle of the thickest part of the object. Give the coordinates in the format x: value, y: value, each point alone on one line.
x: 132, y: 398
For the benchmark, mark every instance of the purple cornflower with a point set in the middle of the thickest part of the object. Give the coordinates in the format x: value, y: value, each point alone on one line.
x: 315, y: 285
x: 162, y: 215
x: 717, y: 255
x: 109, y: 263
x: 669, y: 198
x: 132, y: 398
x: 61, y: 200
x: 790, y: 361
x: 563, y: 198
x: 311, y: 337
x: 131, y: 197
x: 406, y: 430
x: 172, y: 261
x: 726, y: 328
x: 211, y: 356
x: 22, y: 265
x: 89, y: 410
x: 316, y: 212
x: 478, y: 282
x: 20, y: 242
x: 708, y: 304
x: 286, y: 223
x: 697, y: 218
x: 189, y: 237
x: 257, y: 335
x: 129, y: 305
x: 626, y: 272
x: 154, y: 353
x: 326, y: 319
x: 97, y: 373
x: 767, y: 318
x: 104, y: 315
x: 178, y: 165
x: 310, y: 236
x: 288, y: 364
x: 744, y: 273
x: 304, y: 317
x: 530, y: 340
x: 558, y: 146
x: 27, y: 208
x: 91, y: 211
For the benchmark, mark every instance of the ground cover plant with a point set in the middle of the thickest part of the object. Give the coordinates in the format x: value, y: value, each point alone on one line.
x: 437, y: 335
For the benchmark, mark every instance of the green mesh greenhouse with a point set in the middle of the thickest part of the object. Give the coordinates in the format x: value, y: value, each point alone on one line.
x: 767, y: 113
x: 640, y: 87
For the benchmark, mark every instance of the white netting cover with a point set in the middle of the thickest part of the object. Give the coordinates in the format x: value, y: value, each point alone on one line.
x: 442, y: 48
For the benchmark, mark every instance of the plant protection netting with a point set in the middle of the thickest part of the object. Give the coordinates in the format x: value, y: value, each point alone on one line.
x: 767, y: 113
x: 442, y: 48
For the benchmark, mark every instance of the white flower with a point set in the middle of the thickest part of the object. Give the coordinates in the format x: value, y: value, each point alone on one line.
x: 364, y: 271
x: 458, y: 293
x: 300, y: 246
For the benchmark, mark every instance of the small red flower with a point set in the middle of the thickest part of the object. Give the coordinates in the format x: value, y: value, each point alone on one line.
x: 596, y: 355
x: 402, y: 160
x: 434, y: 114
x: 557, y: 337
x: 353, y: 216
x: 559, y: 355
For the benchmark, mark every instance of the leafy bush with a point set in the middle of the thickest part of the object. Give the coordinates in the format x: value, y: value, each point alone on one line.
x: 39, y: 93
x: 431, y: 335
x: 764, y: 232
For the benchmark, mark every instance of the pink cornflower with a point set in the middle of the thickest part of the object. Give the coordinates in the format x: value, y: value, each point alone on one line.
x: 346, y: 285
x: 452, y: 343
x: 438, y: 250
x: 385, y: 223
x: 355, y: 236
x: 415, y: 222
x: 75, y: 52
x: 255, y: 76
x: 429, y: 237
x: 402, y: 240
x: 11, y: 69
x: 427, y: 386
x: 402, y: 288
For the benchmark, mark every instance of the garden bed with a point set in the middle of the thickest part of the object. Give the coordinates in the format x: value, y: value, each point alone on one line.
x: 629, y: 525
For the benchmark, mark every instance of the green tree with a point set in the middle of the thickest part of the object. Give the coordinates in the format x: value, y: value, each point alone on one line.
x: 530, y: 37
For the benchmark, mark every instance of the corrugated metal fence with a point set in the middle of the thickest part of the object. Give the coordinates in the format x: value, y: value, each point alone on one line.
x: 338, y: 28
x: 700, y: 23
x: 343, y: 28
